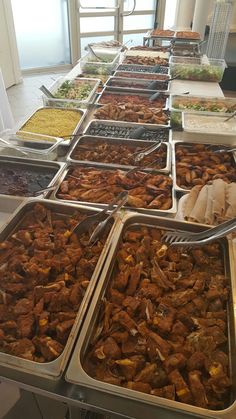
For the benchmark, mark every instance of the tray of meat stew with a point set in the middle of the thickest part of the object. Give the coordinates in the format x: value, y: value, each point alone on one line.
x: 104, y: 128
x: 160, y: 326
x: 121, y: 153
x: 150, y: 192
x: 199, y: 164
x: 21, y: 177
x: 48, y: 275
x: 117, y: 97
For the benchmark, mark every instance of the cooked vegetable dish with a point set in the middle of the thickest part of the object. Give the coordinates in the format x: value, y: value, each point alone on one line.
x: 75, y: 89
x: 162, y: 326
x: 204, y: 105
x: 116, y: 99
x: 142, y: 60
x: 106, y: 130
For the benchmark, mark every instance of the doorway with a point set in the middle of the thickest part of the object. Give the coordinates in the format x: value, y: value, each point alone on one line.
x: 123, y: 20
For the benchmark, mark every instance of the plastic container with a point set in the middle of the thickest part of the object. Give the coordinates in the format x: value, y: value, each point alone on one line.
x: 45, y: 149
x: 107, y: 65
x: 191, y: 69
x: 194, y: 104
x: 64, y: 101
x: 208, y: 124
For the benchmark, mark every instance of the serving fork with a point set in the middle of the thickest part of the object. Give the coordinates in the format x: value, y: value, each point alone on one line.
x: 180, y: 238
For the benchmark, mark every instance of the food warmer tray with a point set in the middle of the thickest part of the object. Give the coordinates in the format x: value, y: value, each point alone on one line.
x: 126, y: 125
x: 124, y: 399
x: 174, y: 173
x: 54, y: 369
x: 143, y: 68
x: 8, y: 205
x: 18, y: 162
x: 137, y: 124
x: 132, y: 81
x: 82, y: 112
x: 131, y: 92
x: 169, y: 212
x: 90, y: 139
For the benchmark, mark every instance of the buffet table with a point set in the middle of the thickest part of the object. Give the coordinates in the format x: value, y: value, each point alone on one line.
x: 78, y: 398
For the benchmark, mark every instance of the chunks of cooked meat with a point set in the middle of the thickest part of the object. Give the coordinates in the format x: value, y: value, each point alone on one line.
x: 44, y: 275
x: 162, y: 334
x: 91, y: 184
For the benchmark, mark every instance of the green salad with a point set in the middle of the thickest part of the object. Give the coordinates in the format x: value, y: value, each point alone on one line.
x: 197, y: 72
x: 77, y: 90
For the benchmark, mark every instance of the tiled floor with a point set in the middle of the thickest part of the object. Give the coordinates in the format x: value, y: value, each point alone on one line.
x: 26, y: 97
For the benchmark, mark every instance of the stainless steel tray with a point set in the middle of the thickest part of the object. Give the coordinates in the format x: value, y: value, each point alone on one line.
x: 137, y: 124
x: 124, y: 399
x: 142, y: 68
x: 174, y: 172
x: 131, y: 125
x: 18, y: 162
x: 8, y: 205
x: 170, y: 211
x: 131, y: 92
x: 130, y: 82
x: 82, y: 112
x: 153, y: 78
x: 54, y: 369
x: 89, y: 140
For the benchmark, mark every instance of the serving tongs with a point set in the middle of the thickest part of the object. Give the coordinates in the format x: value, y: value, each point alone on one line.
x: 139, y: 155
x: 189, y: 239
x: 46, y: 92
x: 86, y: 224
x: 93, y: 53
x: 222, y: 149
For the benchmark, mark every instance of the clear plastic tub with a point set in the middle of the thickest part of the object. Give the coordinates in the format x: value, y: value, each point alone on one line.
x: 106, y: 65
x: 203, y: 70
x: 74, y: 93
x: 194, y: 104
x: 45, y: 148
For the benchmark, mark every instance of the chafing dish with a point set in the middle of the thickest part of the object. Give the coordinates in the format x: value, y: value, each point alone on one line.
x: 55, y: 368
x: 121, y: 398
x: 90, y: 142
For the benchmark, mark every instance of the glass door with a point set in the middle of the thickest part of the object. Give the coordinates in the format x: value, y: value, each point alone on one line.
x: 42, y: 32
x: 123, y: 20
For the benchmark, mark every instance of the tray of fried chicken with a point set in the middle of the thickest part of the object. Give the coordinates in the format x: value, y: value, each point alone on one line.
x: 148, y: 191
x: 48, y: 274
x: 122, y: 153
x: 129, y: 112
x: 157, y: 328
x: 199, y: 164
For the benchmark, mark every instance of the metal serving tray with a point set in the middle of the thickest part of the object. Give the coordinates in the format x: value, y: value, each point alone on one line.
x: 136, y: 403
x: 90, y: 140
x: 138, y: 124
x: 174, y: 172
x: 230, y: 101
x: 66, y: 102
x: 53, y: 195
x: 154, y: 76
x: 8, y: 205
x: 82, y: 112
x: 18, y: 162
x: 142, y: 68
x: 54, y: 369
x: 130, y: 82
x: 131, y: 125
x: 146, y: 94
